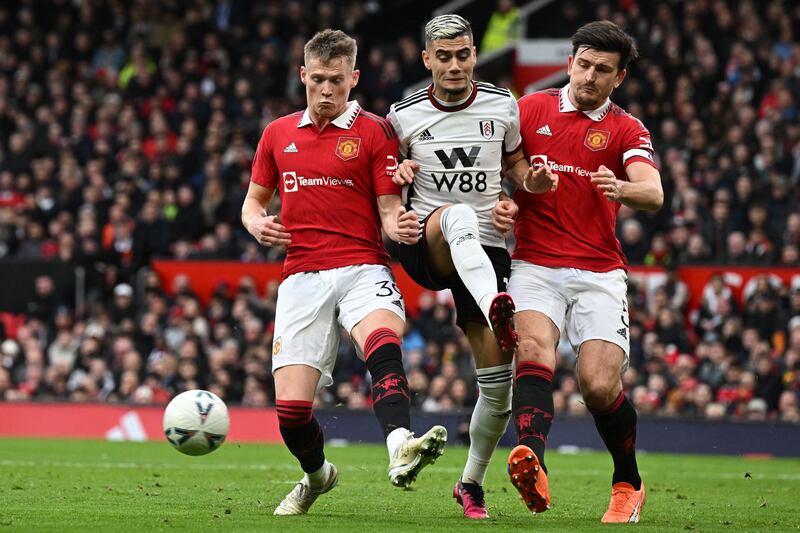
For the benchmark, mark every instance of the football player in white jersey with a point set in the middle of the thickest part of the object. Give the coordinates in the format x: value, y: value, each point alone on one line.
x: 455, y: 138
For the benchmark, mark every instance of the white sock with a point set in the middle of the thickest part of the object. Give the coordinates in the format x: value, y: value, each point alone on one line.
x: 489, y: 420
x: 317, y: 479
x: 460, y: 227
x: 395, y: 439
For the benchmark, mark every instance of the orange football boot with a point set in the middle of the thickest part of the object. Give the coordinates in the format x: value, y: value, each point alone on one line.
x: 529, y: 478
x: 626, y: 504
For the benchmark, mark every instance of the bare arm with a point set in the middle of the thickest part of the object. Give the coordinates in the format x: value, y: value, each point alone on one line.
x: 641, y: 191
x: 266, y: 230
x: 400, y: 225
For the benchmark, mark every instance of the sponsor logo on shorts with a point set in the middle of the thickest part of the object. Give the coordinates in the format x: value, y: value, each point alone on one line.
x: 623, y: 332
x: 276, y: 347
x: 463, y: 238
x: 398, y: 303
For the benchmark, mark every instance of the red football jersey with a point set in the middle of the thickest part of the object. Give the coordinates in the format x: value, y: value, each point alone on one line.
x: 573, y: 227
x: 328, y: 181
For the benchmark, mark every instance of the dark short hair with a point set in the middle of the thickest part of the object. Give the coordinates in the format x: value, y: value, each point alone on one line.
x: 605, y: 36
x: 331, y: 44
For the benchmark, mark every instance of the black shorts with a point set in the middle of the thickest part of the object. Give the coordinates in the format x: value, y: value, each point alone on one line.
x: 415, y: 259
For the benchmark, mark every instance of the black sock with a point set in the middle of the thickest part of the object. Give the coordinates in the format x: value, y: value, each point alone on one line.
x: 391, y: 399
x: 617, y: 427
x: 301, y: 433
x: 532, y: 406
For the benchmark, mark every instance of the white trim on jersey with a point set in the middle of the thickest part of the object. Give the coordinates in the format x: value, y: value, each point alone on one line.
x: 344, y: 121
x: 636, y: 152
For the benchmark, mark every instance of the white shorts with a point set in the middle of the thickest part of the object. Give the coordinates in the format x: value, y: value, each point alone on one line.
x: 583, y: 304
x: 312, y: 305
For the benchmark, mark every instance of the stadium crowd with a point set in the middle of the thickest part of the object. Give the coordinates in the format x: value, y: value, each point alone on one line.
x: 127, y: 132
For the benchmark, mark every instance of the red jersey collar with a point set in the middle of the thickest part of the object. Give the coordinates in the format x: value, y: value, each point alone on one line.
x: 344, y: 121
x: 565, y: 106
x: 459, y: 107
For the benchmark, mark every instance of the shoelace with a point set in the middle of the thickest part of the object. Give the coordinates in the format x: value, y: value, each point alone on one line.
x: 475, y: 493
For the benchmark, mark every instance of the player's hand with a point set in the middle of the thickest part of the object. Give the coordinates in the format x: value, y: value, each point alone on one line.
x: 407, y: 228
x: 607, y: 183
x: 268, y: 231
x: 405, y: 172
x: 504, y: 214
x: 541, y: 179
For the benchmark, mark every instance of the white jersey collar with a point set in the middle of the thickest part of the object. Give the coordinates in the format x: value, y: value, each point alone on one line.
x: 344, y: 121
x: 565, y: 106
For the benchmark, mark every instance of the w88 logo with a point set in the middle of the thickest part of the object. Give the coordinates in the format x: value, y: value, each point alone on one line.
x: 462, y: 181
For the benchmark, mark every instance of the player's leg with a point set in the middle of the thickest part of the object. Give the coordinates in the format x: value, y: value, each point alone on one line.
x: 489, y: 417
x: 453, y: 240
x: 302, y: 349
x: 599, y: 325
x: 542, y: 304
x: 494, y: 375
x: 371, y: 309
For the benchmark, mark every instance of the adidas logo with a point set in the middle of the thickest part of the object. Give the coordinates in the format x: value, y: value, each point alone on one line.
x: 291, y: 149
x: 623, y: 332
x: 398, y: 303
x: 545, y: 130
x: 425, y: 136
x: 130, y: 427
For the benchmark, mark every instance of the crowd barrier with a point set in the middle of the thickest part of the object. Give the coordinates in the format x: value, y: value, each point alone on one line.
x: 140, y: 423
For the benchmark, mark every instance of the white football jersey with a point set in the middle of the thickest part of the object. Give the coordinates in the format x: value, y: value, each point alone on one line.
x: 459, y: 150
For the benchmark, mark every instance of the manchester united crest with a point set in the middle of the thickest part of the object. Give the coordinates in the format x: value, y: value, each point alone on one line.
x: 347, y: 148
x: 276, y: 347
x: 596, y: 139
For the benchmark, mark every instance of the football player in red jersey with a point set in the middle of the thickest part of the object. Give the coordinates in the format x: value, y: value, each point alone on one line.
x: 568, y: 270
x: 334, y: 164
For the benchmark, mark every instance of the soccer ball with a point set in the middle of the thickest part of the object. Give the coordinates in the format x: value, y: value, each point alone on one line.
x: 196, y: 422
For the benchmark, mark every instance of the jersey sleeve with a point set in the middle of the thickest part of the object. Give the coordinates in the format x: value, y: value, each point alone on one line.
x: 265, y: 170
x: 402, y: 144
x: 512, y: 140
x: 637, y: 146
x: 383, y: 161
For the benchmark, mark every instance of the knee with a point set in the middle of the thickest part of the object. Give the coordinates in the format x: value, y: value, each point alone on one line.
x: 459, y: 218
x: 599, y: 393
x: 535, y: 350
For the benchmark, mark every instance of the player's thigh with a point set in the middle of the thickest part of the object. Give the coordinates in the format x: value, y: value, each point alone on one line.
x: 599, y: 312
x: 541, y: 303
x: 484, y: 346
x: 368, y: 296
x: 296, y: 382
x: 306, y: 331
x: 436, y: 244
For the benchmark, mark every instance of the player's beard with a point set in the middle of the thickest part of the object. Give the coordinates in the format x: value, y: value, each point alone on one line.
x: 457, y: 92
x: 588, y: 101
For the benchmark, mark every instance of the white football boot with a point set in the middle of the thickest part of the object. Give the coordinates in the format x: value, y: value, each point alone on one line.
x: 414, y: 454
x: 303, y: 495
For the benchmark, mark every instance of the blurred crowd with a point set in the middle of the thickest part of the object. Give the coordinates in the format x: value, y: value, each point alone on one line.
x: 127, y: 130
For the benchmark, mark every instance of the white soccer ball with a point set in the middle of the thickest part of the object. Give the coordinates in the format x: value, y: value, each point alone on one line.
x: 196, y: 422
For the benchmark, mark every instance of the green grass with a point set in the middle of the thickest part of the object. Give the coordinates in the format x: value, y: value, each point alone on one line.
x: 92, y: 485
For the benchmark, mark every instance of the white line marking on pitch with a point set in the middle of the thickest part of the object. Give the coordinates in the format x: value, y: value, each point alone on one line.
x: 353, y: 468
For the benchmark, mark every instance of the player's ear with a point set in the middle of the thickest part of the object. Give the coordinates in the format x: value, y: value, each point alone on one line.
x: 570, y: 60
x: 355, y: 78
x: 620, y: 76
x: 303, y: 74
x: 426, y: 59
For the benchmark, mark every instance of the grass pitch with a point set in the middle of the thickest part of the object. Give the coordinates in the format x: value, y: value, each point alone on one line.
x: 61, y: 485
